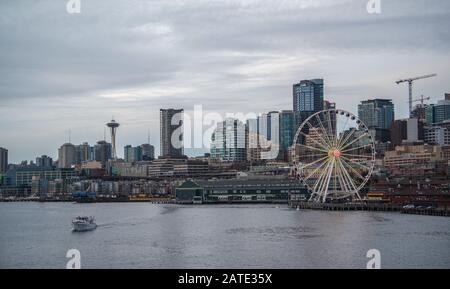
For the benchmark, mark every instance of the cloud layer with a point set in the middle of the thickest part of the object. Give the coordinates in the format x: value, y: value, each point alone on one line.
x: 61, y: 71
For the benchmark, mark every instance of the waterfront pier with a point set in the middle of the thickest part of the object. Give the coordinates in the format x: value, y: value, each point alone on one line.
x: 367, y: 206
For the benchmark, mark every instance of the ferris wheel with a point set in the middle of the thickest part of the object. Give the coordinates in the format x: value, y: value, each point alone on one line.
x: 333, y: 155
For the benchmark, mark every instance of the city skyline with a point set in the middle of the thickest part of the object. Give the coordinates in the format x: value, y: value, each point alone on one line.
x: 87, y: 71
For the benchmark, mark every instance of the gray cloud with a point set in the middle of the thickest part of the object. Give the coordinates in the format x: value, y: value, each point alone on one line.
x: 129, y: 58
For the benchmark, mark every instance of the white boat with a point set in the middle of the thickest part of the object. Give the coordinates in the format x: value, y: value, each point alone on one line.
x: 81, y: 224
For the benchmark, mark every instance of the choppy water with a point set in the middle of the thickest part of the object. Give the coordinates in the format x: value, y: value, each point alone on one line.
x: 143, y: 235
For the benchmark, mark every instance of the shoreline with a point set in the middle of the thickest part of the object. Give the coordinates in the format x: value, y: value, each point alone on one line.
x: 299, y: 205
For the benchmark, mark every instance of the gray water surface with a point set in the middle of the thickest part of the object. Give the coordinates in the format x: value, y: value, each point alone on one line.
x: 144, y: 235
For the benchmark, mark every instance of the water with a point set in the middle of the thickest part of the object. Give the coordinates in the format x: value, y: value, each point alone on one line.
x: 144, y: 235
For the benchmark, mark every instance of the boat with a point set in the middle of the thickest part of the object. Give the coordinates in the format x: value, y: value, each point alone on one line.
x: 81, y: 224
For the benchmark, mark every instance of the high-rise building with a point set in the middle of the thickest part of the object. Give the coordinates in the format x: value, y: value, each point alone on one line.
x: 252, y: 141
x: 171, y: 132
x: 327, y: 105
x: 229, y: 141
x: 132, y: 154
x: 267, y: 124
x: 44, y: 161
x: 409, y: 130
x: 103, y: 152
x: 440, y: 112
x: 399, y: 132
x: 66, y: 155
x: 288, y: 128
x: 3, y: 160
x: 148, y: 152
x: 378, y: 115
x: 438, y: 134
x: 308, y: 97
x: 414, y: 130
x: 84, y: 153
x: 274, y: 132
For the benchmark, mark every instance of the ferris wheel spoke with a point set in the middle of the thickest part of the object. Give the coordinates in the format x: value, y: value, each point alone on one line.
x: 356, y: 163
x: 310, y: 126
x: 309, y: 158
x: 355, y: 188
x: 360, y: 147
x: 350, y: 182
x: 363, y: 157
x: 330, y: 128
x: 345, y: 138
x: 324, y: 131
x: 333, y: 128
x: 327, y: 182
x: 342, y: 183
x: 313, y: 148
x: 334, y: 179
x: 313, y: 163
x: 345, y: 125
x: 318, y: 181
x: 315, y: 170
x: 355, y: 140
x: 322, y: 189
x: 353, y: 170
x: 321, y: 145
x: 347, y: 177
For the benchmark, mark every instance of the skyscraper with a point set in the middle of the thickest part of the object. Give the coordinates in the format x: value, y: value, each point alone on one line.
x: 377, y: 113
x: 66, y: 155
x: 267, y: 124
x: 103, y: 152
x: 327, y: 105
x: 308, y: 97
x: 399, y: 132
x: 287, y: 131
x: 440, y: 112
x: 148, y: 152
x: 171, y: 132
x: 132, y: 154
x: 252, y: 141
x: 3, y: 160
x: 229, y: 141
x: 84, y: 152
x: 44, y: 161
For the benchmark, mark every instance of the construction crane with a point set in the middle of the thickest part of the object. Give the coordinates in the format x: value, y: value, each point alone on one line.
x: 410, y: 83
x: 422, y: 99
x: 419, y: 112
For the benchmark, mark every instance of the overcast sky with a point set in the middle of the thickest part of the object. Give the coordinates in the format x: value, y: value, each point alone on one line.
x: 129, y: 58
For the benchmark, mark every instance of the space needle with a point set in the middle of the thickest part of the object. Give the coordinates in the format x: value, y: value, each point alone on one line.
x: 113, y: 125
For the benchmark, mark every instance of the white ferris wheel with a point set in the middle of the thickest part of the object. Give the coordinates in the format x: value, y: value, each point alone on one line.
x: 334, y: 155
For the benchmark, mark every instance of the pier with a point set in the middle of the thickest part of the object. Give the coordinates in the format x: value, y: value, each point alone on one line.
x: 367, y: 206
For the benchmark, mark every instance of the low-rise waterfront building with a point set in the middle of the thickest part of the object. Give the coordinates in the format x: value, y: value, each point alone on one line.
x: 415, y: 160
x: 262, y: 189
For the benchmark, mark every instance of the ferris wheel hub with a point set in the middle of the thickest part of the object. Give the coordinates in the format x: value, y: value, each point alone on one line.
x: 336, y: 153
